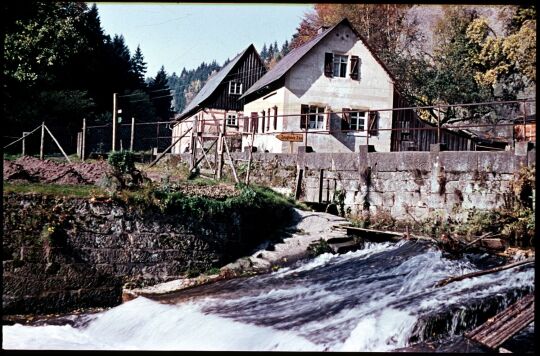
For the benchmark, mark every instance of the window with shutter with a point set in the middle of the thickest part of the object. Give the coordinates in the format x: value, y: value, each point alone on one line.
x: 345, y: 118
x: 304, y: 110
x: 328, y: 64
x: 374, y: 123
x: 354, y: 67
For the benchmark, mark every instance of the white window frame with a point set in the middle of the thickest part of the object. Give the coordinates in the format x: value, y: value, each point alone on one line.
x: 235, y: 88
x: 339, y: 65
x: 316, y: 117
x: 232, y: 119
x: 357, y: 120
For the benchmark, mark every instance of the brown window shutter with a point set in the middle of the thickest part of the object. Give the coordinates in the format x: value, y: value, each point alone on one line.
x: 263, y: 119
x: 268, y: 121
x: 355, y: 65
x: 246, y: 123
x: 254, y: 122
x: 328, y: 115
x: 346, y: 119
x: 328, y: 62
x: 374, y: 123
x: 304, y: 116
x: 275, y: 117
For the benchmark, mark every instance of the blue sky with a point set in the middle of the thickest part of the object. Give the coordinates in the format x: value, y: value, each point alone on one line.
x: 184, y: 35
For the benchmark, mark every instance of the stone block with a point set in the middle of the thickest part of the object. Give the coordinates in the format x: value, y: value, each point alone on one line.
x: 410, y: 161
x: 501, y: 162
x: 459, y: 161
x: 383, y: 161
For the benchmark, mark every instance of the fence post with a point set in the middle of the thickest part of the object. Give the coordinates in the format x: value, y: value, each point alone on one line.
x: 194, y: 137
x: 367, y: 127
x: 83, y: 148
x: 79, y: 144
x: 114, y: 124
x: 24, y: 134
x: 132, y: 134
x: 41, y: 146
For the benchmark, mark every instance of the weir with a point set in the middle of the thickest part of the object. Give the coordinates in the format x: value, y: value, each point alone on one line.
x: 379, y: 298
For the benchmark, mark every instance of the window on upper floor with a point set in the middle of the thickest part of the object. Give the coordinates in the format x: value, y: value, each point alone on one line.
x: 335, y: 65
x: 235, y: 88
x: 339, y: 66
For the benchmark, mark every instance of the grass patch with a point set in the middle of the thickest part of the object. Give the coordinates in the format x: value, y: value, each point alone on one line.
x: 79, y: 191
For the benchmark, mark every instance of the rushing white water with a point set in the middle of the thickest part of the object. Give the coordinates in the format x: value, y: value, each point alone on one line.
x: 368, y: 300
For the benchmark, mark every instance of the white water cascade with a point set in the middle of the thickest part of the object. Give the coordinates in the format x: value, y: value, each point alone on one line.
x: 368, y: 300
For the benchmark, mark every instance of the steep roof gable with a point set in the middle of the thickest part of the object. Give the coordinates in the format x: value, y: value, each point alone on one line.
x: 212, y: 84
x: 287, y: 62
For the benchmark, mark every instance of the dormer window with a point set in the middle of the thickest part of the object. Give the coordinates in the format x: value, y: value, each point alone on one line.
x: 235, y: 88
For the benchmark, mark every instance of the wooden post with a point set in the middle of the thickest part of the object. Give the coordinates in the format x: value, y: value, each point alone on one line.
x: 79, y: 144
x: 250, y: 155
x: 55, y: 141
x: 367, y: 129
x: 132, y: 134
x: 439, y: 125
x: 194, y: 136
x: 41, y: 146
x: 83, y: 148
x: 24, y: 134
x: 113, y: 147
x: 321, y: 188
x: 221, y: 138
x: 305, y: 134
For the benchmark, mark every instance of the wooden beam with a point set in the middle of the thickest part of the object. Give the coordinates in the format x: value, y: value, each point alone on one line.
x: 480, y: 273
x: 230, y: 161
x: 494, y: 332
x: 168, y: 148
x: 55, y: 141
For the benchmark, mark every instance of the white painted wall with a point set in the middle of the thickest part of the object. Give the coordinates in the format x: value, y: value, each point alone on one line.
x: 306, y: 83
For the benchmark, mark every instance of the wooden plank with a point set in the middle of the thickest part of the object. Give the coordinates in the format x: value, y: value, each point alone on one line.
x: 480, y: 273
x: 374, y: 235
x: 504, y: 325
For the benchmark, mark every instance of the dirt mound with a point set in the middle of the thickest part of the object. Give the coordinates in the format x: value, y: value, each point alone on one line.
x: 218, y: 191
x: 31, y: 169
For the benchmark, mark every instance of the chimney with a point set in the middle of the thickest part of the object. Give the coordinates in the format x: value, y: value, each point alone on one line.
x: 322, y: 29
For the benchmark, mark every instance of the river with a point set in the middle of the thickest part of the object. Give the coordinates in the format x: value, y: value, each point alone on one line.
x: 380, y: 298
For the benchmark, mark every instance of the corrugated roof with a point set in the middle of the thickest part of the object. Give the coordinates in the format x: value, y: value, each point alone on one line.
x: 211, y: 85
x: 287, y: 62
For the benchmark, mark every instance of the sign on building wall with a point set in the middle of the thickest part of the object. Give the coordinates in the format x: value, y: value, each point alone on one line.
x: 291, y: 137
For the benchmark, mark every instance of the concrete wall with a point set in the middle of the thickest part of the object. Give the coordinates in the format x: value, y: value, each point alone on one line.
x: 306, y: 83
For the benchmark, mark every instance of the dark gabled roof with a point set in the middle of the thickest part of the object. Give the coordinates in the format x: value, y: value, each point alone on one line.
x: 211, y: 85
x: 287, y: 62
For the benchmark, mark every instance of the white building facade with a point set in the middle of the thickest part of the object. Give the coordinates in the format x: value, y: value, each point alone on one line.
x: 333, y: 87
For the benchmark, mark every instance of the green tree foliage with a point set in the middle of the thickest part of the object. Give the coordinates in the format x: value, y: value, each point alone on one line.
x: 183, y: 85
x: 138, y: 67
x: 160, y: 95
x: 59, y: 66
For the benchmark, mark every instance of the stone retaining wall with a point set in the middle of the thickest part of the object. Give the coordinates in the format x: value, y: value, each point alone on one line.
x: 61, y: 253
x: 403, y: 184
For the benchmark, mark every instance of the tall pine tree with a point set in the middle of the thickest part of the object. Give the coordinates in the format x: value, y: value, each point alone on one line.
x: 160, y: 95
x: 138, y: 67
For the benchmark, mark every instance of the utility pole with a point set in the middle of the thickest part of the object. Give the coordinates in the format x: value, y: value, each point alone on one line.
x: 114, y: 123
